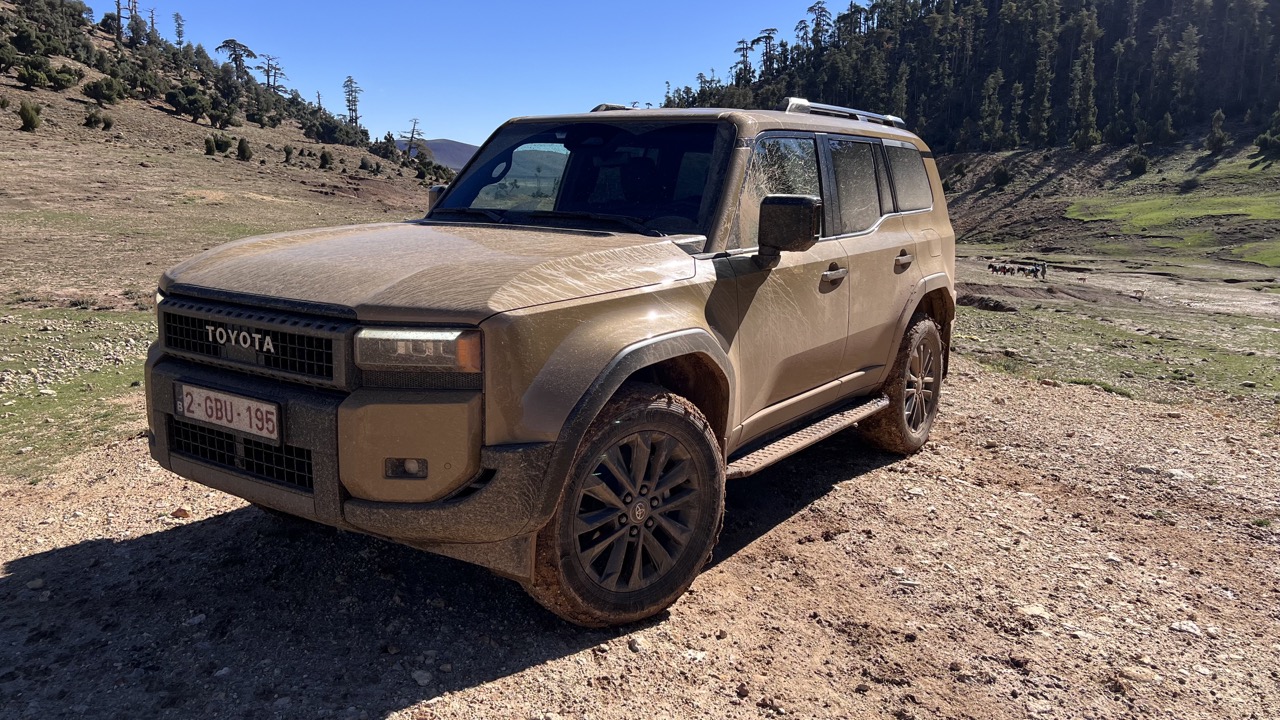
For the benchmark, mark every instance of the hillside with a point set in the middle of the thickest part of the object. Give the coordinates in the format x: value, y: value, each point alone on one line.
x: 451, y: 153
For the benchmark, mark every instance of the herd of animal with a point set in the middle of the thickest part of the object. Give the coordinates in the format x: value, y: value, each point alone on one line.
x: 1035, y: 271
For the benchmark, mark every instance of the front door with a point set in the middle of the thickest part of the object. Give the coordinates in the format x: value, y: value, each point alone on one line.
x: 793, y: 317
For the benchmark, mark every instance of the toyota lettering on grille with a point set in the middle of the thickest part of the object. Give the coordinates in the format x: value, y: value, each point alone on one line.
x: 240, y: 338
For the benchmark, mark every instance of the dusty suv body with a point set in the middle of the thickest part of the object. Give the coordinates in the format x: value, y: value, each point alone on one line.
x: 605, y: 315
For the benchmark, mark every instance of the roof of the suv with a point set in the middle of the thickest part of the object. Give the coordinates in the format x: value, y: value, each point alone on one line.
x: 750, y: 122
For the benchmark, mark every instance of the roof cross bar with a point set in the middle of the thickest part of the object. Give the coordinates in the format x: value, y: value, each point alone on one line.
x: 801, y: 105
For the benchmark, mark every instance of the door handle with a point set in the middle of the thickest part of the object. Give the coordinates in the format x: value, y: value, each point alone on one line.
x: 904, y: 259
x: 835, y: 275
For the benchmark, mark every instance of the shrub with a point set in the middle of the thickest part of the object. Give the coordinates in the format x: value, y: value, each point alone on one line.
x: 1001, y: 176
x: 288, y: 154
x: 108, y: 122
x: 30, y: 114
x: 1137, y: 162
x: 365, y: 164
x: 1189, y: 184
x: 1216, y: 141
x: 209, y: 147
x: 222, y: 142
x: 8, y: 56
x: 32, y: 78
x: 93, y: 119
x: 243, y: 151
x: 4, y: 102
x: 105, y: 91
x: 65, y: 77
x: 326, y: 160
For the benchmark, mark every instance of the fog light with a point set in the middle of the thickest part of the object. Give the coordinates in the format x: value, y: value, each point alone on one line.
x: 406, y: 468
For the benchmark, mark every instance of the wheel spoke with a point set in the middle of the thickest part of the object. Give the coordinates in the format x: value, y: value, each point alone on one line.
x: 600, y: 490
x: 590, y: 554
x: 678, y: 532
x: 588, y: 522
x: 613, y: 567
x: 661, y: 558
x: 678, y: 474
x: 637, y: 562
x: 641, y: 448
x: 612, y: 461
x: 658, y: 462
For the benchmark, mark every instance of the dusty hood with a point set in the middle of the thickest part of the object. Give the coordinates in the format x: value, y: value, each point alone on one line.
x: 397, y: 272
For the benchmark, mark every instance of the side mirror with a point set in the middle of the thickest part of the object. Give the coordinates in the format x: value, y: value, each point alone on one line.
x: 434, y: 193
x: 789, y: 223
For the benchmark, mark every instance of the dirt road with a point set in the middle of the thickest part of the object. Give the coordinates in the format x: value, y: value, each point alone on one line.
x: 1054, y: 552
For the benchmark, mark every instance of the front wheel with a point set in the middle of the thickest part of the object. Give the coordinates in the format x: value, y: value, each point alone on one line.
x: 640, y: 514
x: 914, y: 387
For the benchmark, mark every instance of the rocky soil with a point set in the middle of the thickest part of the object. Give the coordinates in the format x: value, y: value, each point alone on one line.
x: 1054, y: 552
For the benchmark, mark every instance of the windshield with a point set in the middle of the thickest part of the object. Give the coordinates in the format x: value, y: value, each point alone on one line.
x: 656, y: 178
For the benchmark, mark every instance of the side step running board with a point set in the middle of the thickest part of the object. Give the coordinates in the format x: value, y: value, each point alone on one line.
x: 803, y: 438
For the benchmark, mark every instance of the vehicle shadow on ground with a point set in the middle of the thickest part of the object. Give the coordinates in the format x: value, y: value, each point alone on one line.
x: 245, y: 615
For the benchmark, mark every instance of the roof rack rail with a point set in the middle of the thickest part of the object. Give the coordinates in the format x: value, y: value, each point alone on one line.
x: 801, y: 105
x: 603, y: 107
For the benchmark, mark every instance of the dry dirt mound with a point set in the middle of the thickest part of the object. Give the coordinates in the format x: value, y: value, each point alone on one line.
x: 1054, y: 552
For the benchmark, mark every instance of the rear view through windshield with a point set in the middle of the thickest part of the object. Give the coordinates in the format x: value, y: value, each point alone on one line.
x: 647, y: 176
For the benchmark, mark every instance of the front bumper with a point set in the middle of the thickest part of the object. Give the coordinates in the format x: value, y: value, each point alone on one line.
x: 502, y: 502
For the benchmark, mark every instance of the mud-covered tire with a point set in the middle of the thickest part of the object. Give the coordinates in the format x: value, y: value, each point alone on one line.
x: 914, y: 388
x: 641, y: 511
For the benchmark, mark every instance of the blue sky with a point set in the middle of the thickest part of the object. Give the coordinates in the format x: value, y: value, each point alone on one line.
x: 462, y: 68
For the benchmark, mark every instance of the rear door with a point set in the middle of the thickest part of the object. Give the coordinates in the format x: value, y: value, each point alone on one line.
x: 883, y: 265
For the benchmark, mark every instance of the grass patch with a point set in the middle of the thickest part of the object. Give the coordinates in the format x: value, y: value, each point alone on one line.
x: 67, y: 383
x: 1261, y: 522
x: 1264, y: 253
x: 1146, y: 214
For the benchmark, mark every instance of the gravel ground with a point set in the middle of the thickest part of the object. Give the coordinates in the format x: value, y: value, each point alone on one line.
x: 1054, y: 552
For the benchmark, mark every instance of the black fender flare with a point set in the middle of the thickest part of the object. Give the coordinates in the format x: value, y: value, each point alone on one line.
x: 634, y: 357
x: 923, y: 287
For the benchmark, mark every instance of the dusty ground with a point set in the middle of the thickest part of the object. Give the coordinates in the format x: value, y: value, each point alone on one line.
x: 1055, y: 552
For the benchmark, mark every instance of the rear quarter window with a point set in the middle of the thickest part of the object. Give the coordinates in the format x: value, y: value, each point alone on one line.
x: 910, y: 181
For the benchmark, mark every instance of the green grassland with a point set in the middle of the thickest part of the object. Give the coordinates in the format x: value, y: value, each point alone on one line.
x: 69, y: 379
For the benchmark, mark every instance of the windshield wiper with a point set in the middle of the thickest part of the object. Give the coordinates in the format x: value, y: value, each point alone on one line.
x: 490, y: 214
x: 631, y: 223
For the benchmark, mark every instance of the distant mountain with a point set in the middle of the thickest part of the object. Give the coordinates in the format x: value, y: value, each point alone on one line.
x: 450, y: 153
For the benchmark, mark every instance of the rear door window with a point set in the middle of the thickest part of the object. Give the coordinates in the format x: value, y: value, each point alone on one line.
x: 910, y: 181
x: 856, y: 187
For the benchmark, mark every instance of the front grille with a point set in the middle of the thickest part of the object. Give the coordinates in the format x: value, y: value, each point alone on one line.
x: 288, y: 465
x: 269, y: 343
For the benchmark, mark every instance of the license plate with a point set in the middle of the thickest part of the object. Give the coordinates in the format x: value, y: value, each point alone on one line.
x: 229, y: 411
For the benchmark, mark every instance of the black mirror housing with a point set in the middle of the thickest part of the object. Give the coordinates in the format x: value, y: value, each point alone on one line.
x: 789, y: 223
x: 434, y: 193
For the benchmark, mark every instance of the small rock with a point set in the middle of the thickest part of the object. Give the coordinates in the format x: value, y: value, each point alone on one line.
x: 1213, y: 631
x: 25, y: 450
x: 48, y: 393
x: 1186, y: 626
x: 282, y: 702
x: 1249, y: 384
x: 917, y: 491
x: 1113, y: 558
x: 1139, y: 674
x: 991, y: 445
x: 1082, y: 635
x: 1179, y: 474
x: 35, y: 584
x: 743, y: 690
x: 637, y: 644
x: 1173, y: 414
x: 1050, y: 382
x: 181, y: 513
x: 1040, y: 707
x: 1036, y: 611
x: 223, y: 672
x: 862, y: 689
x: 446, y: 668
x: 422, y: 677
x: 722, y: 634
x: 196, y: 620
x: 1146, y: 470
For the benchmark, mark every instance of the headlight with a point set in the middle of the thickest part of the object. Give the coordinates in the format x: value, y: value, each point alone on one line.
x: 424, y: 350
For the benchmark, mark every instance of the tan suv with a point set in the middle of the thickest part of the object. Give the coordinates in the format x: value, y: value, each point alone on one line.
x: 553, y: 373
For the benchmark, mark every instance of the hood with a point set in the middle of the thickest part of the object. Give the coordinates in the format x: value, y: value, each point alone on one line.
x: 416, y: 272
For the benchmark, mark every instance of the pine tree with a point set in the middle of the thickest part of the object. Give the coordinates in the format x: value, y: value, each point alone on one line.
x: 1216, y: 141
x: 1084, y: 109
x: 179, y: 28
x: 351, y: 91
x: 991, y: 123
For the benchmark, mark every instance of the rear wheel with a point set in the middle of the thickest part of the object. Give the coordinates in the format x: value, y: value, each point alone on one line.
x: 639, y: 516
x: 914, y: 388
